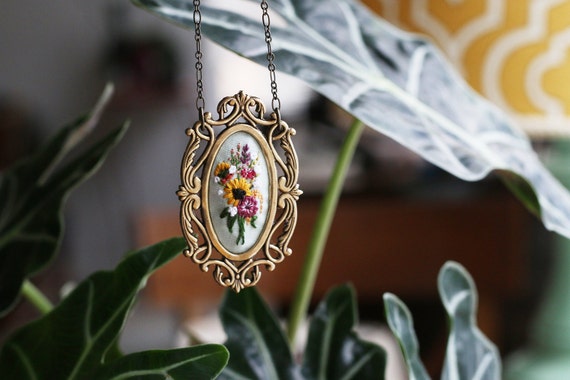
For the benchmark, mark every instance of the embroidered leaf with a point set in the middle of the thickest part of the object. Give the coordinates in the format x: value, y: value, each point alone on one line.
x: 32, y: 194
x: 259, y: 349
x: 230, y: 222
x: 469, y: 355
x: 225, y: 212
x: 252, y: 221
x: 241, y: 235
x: 397, y: 83
x: 79, y: 335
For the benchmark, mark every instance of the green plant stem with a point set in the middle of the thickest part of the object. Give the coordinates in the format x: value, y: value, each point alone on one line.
x: 36, y: 297
x: 317, y: 244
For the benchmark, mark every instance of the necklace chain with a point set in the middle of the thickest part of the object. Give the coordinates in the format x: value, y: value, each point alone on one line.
x: 275, y: 102
x: 200, y: 103
x: 197, y: 18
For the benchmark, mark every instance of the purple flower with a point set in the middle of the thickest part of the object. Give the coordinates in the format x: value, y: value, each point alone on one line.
x: 245, y: 154
x: 248, y: 207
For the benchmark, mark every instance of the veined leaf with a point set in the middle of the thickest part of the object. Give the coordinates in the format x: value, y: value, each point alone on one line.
x: 397, y: 83
x: 79, y: 336
x: 259, y: 349
x: 257, y: 344
x: 32, y: 194
x: 199, y: 362
x: 469, y: 355
x: 401, y: 323
x: 334, y: 351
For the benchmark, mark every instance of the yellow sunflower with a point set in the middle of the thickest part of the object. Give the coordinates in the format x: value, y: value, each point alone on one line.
x: 235, y: 190
x: 221, y: 167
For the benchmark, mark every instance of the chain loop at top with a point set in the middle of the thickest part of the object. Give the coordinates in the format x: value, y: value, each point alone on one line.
x: 266, y: 20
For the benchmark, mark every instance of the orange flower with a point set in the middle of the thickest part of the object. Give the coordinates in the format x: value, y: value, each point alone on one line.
x: 259, y: 196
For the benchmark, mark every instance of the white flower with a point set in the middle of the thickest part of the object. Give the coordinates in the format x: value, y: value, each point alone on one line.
x: 232, y: 169
x: 233, y: 211
x: 221, y: 192
x: 217, y: 179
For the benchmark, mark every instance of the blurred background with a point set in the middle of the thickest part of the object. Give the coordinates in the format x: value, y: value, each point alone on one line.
x: 57, y: 56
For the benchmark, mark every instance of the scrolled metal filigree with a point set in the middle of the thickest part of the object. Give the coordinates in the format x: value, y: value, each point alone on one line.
x: 238, y: 198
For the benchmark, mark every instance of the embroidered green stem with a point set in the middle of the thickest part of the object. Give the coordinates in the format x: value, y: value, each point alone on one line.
x: 36, y: 297
x: 316, y: 247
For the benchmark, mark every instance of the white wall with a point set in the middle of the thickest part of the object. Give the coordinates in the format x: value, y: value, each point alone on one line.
x: 50, y: 54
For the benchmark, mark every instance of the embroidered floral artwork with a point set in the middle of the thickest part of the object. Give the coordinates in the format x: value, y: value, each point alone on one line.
x: 236, y: 178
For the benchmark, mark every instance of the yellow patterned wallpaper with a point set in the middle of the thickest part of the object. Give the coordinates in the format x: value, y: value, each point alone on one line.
x: 515, y: 52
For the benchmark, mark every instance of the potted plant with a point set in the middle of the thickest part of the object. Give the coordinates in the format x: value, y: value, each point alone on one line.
x: 384, y: 88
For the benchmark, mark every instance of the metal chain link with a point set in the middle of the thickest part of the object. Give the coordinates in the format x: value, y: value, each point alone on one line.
x: 200, y: 102
x: 275, y: 102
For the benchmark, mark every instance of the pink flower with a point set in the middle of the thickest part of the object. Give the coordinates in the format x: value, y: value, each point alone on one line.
x: 248, y: 173
x: 248, y: 207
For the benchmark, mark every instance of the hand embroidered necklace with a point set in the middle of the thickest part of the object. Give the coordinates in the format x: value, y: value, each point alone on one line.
x: 239, y: 198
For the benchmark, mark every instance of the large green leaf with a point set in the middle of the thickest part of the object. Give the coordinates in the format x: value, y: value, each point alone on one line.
x: 469, y: 354
x: 398, y: 83
x: 199, y: 362
x: 79, y: 336
x: 259, y: 349
x: 334, y: 351
x: 257, y: 344
x: 401, y: 323
x: 32, y: 194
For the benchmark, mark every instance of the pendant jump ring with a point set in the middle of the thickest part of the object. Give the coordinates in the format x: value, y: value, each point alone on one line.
x: 200, y: 104
x: 277, y: 113
x: 276, y: 105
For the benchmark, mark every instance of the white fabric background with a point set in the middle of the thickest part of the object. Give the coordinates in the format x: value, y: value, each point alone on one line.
x: 217, y: 203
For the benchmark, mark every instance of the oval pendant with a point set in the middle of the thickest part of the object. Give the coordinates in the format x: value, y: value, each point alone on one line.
x: 239, y: 195
x: 238, y: 198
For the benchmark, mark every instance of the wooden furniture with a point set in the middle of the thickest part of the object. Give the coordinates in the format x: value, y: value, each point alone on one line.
x: 380, y: 245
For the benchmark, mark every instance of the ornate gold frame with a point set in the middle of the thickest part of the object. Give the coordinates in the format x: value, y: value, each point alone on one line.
x: 239, y: 113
